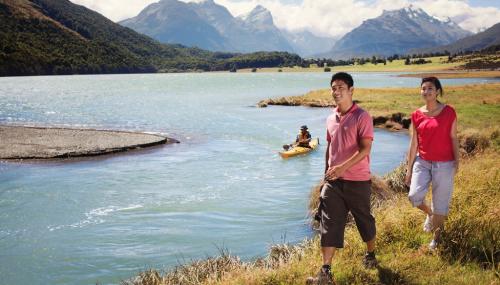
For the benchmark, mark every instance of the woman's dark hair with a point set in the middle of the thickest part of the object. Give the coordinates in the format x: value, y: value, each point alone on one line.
x: 346, y: 77
x: 434, y: 81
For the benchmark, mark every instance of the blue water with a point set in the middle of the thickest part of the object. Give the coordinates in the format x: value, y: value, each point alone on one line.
x: 224, y: 186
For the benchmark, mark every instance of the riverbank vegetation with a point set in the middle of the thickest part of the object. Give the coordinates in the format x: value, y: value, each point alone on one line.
x: 397, y: 65
x: 465, y: 65
x: 458, y: 74
x: 470, y: 252
x: 477, y: 105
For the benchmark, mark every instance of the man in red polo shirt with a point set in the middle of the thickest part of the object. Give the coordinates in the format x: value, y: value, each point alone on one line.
x: 347, y: 185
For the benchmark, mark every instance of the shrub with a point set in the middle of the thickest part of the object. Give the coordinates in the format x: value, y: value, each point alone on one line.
x: 396, y: 178
x: 473, y: 142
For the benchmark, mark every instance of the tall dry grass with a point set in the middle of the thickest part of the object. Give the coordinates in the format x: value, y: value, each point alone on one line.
x: 212, y: 270
x: 473, y: 228
x: 469, y: 253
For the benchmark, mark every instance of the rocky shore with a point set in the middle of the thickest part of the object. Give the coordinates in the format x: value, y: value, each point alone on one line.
x: 393, y: 122
x: 19, y: 142
x: 295, y: 101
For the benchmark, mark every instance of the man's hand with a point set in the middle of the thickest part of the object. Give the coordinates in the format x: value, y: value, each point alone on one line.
x: 334, y: 172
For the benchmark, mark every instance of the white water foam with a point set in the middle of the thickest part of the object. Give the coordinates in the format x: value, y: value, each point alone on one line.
x: 95, y: 216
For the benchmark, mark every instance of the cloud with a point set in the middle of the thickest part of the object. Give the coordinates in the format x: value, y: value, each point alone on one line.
x: 469, y: 18
x: 336, y: 17
x: 322, y: 17
x: 116, y: 10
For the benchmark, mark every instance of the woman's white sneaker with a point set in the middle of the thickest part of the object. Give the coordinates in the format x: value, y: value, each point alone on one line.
x: 428, y: 224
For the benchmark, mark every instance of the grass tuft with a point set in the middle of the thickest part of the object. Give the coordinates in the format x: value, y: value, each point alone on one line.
x: 196, y: 272
x: 396, y: 179
x: 473, y: 142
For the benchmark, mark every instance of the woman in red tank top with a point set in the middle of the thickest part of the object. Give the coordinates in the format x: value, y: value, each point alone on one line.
x: 432, y: 157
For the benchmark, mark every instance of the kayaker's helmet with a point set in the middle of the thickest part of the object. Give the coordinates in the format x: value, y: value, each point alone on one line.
x: 303, y: 128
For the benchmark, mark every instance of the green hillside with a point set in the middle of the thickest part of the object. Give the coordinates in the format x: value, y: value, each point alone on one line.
x: 41, y: 37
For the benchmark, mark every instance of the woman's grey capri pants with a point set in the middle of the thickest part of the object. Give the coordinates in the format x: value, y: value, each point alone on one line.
x: 440, y: 174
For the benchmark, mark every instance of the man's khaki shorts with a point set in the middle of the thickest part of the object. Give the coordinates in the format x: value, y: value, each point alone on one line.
x: 337, y: 198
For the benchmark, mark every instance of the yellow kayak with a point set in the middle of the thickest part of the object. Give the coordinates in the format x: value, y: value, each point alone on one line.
x: 298, y: 150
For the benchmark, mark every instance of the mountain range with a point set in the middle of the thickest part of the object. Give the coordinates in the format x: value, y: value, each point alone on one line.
x: 487, y: 38
x: 211, y: 26
x: 396, y: 32
x: 58, y: 37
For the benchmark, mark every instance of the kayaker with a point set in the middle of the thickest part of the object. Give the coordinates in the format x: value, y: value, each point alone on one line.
x: 303, y: 139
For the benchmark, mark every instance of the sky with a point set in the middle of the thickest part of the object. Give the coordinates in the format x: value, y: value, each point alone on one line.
x: 332, y: 18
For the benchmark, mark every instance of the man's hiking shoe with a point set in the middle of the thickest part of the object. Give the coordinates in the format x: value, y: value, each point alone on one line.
x: 428, y: 224
x: 370, y: 261
x: 324, y: 277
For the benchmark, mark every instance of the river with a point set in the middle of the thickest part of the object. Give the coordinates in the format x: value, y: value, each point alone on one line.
x: 105, y: 219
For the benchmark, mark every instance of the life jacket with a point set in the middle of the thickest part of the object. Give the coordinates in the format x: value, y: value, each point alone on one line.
x: 307, y: 135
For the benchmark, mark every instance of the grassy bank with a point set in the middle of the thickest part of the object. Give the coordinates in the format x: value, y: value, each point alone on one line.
x: 464, y: 66
x: 477, y: 105
x: 458, y: 74
x: 441, y: 71
x: 437, y: 64
x: 470, y: 252
x: 471, y: 241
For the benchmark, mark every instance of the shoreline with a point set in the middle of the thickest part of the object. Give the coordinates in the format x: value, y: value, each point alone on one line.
x: 350, y: 255
x: 391, y: 108
x: 473, y: 219
x: 394, y: 122
x: 450, y: 74
x: 39, y: 143
x: 397, y: 233
x: 444, y: 73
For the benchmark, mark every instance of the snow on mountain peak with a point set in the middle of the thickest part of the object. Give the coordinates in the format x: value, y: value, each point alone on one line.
x: 259, y: 14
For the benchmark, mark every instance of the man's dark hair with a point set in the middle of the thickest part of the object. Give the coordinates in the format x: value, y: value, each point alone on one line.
x: 346, y: 77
